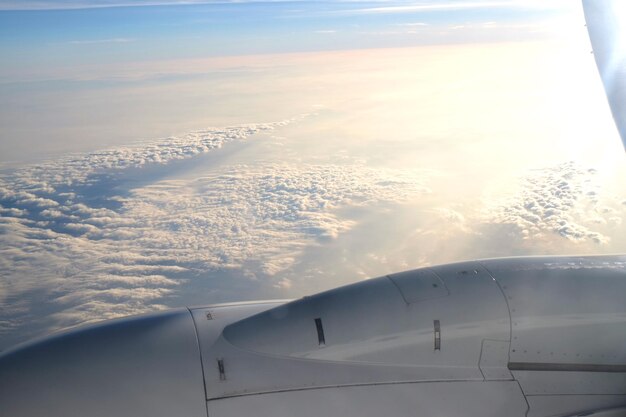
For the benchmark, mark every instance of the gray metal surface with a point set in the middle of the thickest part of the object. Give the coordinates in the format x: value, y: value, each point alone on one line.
x: 419, y: 285
x: 544, y: 336
x: 575, y: 405
x: 565, y: 310
x: 443, y: 399
x: 140, y: 366
x: 372, y: 335
x: 568, y: 320
x: 494, y: 359
x: 617, y: 412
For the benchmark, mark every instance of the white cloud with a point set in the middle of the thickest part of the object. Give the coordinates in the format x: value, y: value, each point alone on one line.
x: 260, y: 213
x: 561, y: 200
x: 72, y: 232
x: 101, y: 41
x: 64, y: 233
x: 399, y: 7
x: 13, y: 212
x: 407, y: 8
x: 413, y: 24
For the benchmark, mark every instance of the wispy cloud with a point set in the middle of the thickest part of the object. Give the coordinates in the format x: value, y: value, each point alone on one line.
x: 99, y: 41
x: 414, y: 24
x: 96, y: 4
x: 430, y: 6
x: 390, y: 6
x: 400, y: 7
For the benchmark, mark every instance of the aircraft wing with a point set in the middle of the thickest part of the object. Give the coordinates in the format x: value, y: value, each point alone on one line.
x: 606, y: 23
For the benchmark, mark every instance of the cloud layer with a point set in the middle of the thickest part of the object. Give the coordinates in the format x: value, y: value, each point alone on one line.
x: 563, y: 200
x: 113, y: 233
x: 100, y: 235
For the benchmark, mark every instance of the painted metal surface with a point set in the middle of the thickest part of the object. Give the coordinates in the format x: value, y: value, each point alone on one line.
x: 575, y: 405
x: 568, y: 318
x: 571, y: 383
x: 565, y: 310
x: 494, y: 360
x: 495, y: 337
x: 141, y: 366
x: 211, y: 320
x: 376, y: 331
x: 617, y: 412
x: 437, y: 399
x: 419, y: 285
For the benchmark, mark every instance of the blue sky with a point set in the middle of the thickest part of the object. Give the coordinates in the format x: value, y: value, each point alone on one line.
x: 62, y: 53
x: 77, y: 32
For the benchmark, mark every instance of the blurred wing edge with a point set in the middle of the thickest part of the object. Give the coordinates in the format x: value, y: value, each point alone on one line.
x: 606, y: 32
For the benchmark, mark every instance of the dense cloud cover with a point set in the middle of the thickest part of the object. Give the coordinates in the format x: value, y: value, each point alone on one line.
x: 62, y: 229
x: 565, y: 200
x: 97, y: 236
x: 118, y: 232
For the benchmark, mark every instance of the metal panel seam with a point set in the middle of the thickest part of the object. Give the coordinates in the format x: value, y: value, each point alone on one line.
x: 371, y: 384
x: 566, y: 367
x: 480, y: 356
x: 195, y: 328
x: 398, y: 288
x: 523, y: 395
x: 507, y: 307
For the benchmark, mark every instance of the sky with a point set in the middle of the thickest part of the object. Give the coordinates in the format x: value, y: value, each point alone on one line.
x: 83, y: 70
x: 156, y: 154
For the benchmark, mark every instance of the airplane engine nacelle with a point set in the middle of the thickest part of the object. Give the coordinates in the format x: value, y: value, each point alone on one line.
x: 139, y: 366
x: 428, y: 324
x: 568, y: 321
x: 527, y: 337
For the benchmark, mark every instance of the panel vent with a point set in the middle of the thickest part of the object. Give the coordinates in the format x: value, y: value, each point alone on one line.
x: 321, y: 340
x: 220, y: 367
